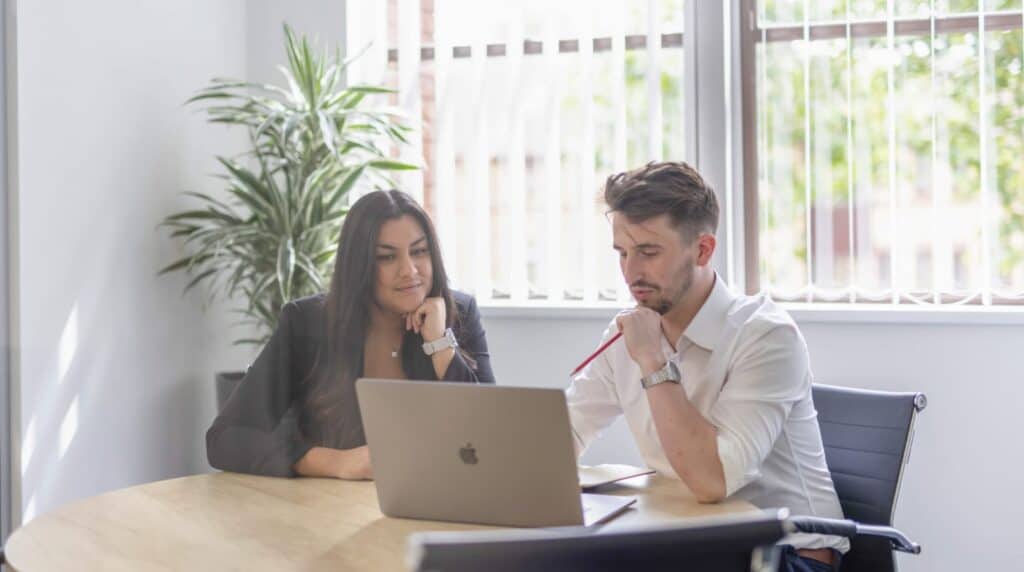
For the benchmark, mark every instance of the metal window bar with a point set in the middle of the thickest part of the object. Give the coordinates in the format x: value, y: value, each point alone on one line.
x: 936, y: 205
x: 754, y: 164
x: 851, y: 187
x: 808, y: 173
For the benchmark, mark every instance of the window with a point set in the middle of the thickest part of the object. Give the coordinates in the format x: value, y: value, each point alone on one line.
x: 525, y: 107
x: 889, y: 145
x: 881, y: 139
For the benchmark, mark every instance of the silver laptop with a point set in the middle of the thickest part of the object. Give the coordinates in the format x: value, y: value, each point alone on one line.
x: 476, y: 453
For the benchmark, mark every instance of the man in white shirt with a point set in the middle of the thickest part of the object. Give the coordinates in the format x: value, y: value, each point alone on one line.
x: 715, y: 387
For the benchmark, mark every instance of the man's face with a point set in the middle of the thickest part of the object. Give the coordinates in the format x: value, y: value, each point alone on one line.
x: 655, y: 262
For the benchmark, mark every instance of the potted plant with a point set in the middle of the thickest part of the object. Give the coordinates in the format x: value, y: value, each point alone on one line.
x: 272, y: 236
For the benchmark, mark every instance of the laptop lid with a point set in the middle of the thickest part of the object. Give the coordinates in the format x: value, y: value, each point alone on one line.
x: 721, y: 543
x: 471, y: 453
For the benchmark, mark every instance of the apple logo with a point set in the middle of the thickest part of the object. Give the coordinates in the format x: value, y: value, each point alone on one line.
x: 468, y: 454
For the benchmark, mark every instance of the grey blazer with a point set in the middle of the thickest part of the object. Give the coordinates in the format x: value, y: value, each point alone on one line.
x: 260, y: 430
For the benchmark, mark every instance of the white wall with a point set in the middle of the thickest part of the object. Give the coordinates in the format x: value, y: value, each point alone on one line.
x: 960, y: 494
x: 323, y: 21
x: 115, y: 364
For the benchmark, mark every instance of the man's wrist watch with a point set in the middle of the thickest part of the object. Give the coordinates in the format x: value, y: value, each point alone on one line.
x: 444, y: 342
x: 667, y: 374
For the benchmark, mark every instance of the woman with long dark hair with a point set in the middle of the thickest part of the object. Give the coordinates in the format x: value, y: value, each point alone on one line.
x: 389, y: 313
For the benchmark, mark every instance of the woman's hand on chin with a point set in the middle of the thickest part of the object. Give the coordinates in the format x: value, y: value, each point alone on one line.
x: 428, y: 320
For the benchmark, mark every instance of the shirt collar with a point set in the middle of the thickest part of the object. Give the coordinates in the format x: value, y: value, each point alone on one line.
x: 705, y: 328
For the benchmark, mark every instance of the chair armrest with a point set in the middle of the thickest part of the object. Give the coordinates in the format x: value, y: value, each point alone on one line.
x: 832, y: 526
x: 898, y: 540
x: 849, y: 529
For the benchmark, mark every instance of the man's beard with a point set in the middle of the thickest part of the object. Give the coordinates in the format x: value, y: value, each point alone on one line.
x: 664, y: 304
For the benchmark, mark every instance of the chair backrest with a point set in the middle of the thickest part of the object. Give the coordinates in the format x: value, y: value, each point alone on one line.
x: 739, y: 543
x: 867, y: 437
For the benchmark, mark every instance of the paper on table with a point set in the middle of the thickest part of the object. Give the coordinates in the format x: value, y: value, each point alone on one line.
x: 597, y: 475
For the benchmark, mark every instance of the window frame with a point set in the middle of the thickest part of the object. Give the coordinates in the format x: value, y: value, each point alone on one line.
x: 8, y: 418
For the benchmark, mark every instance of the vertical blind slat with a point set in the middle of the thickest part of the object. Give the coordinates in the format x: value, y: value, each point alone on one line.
x: 514, y: 238
x: 587, y: 166
x: 443, y: 137
x: 367, y: 20
x: 619, y: 108
x: 409, y: 94
x: 479, y: 169
x: 553, y: 164
x: 654, y: 119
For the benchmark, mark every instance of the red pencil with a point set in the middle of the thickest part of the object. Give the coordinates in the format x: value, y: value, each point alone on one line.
x: 603, y: 347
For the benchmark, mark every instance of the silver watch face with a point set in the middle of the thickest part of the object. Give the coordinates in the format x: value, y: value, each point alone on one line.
x: 669, y: 373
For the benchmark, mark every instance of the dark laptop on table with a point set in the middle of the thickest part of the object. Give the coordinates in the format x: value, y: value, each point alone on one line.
x: 476, y: 453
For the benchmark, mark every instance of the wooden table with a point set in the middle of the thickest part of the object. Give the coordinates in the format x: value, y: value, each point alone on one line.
x: 227, y: 521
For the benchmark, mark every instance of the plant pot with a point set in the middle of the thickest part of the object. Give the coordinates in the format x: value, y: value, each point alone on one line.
x: 226, y: 382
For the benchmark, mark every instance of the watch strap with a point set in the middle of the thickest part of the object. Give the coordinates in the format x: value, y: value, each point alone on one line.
x: 444, y: 342
x: 667, y: 374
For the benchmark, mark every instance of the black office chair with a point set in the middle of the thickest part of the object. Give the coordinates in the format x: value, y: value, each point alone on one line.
x: 725, y: 544
x: 867, y: 437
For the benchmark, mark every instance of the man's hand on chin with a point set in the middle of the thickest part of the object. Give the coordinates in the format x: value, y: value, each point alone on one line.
x: 641, y: 330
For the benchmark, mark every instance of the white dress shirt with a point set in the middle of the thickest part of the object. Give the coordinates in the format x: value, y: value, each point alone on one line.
x: 745, y: 367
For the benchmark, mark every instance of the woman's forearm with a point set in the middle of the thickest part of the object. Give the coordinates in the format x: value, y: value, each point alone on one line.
x: 349, y: 464
x: 441, y: 360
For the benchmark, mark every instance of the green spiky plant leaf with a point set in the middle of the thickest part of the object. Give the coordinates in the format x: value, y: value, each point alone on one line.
x: 272, y: 238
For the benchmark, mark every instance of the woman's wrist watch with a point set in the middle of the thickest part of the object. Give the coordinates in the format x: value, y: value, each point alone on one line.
x: 669, y: 373
x: 444, y: 342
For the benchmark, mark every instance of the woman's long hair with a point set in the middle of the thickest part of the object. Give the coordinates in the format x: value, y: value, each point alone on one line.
x: 347, y: 305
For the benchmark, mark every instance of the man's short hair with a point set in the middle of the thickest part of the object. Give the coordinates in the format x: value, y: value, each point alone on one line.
x: 671, y: 188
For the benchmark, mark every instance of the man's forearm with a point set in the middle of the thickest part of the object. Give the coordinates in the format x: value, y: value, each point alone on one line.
x: 689, y: 441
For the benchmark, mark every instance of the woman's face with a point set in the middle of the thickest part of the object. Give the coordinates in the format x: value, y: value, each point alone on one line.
x: 405, y: 270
